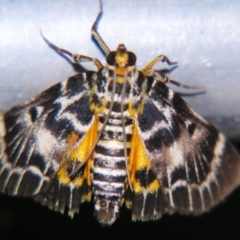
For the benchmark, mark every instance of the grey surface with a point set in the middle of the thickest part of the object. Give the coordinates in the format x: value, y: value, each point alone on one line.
x: 203, y: 36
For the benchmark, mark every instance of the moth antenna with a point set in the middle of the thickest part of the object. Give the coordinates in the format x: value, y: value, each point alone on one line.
x: 77, y: 58
x: 54, y: 47
x: 124, y: 132
x: 100, y: 132
x: 95, y: 33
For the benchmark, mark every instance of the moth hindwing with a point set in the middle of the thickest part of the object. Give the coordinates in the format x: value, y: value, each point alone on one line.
x: 115, y: 136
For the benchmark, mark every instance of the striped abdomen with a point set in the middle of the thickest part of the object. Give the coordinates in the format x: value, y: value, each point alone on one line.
x: 109, y: 170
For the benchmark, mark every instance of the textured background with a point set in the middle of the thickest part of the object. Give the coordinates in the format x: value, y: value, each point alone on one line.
x: 203, y: 36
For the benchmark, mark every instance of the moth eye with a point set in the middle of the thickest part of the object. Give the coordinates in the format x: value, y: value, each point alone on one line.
x: 131, y: 59
x: 111, y: 58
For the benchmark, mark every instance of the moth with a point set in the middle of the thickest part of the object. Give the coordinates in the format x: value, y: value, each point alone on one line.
x: 115, y: 136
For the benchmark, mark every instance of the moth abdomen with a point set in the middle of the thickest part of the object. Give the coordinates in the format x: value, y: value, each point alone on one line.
x: 109, y: 171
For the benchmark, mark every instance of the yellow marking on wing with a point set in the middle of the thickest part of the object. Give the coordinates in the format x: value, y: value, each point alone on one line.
x: 138, y: 160
x: 62, y: 174
x: 78, y: 155
x: 72, y: 139
x: 82, y: 150
x: 133, y: 111
x: 141, y: 107
x: 97, y: 107
x: 64, y: 179
x: 151, y: 188
x: 87, y: 197
x: 128, y: 204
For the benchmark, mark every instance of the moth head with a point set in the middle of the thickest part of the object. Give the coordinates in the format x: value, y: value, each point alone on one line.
x: 121, y: 57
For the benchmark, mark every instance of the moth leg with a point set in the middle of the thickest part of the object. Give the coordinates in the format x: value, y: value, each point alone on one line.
x: 165, y: 79
x: 82, y: 58
x: 147, y: 70
x: 76, y: 57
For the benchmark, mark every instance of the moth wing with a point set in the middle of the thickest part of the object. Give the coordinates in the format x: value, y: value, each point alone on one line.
x: 34, y: 137
x: 194, y: 163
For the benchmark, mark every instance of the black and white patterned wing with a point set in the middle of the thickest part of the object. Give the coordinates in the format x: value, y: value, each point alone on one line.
x: 33, y: 137
x: 196, y: 165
